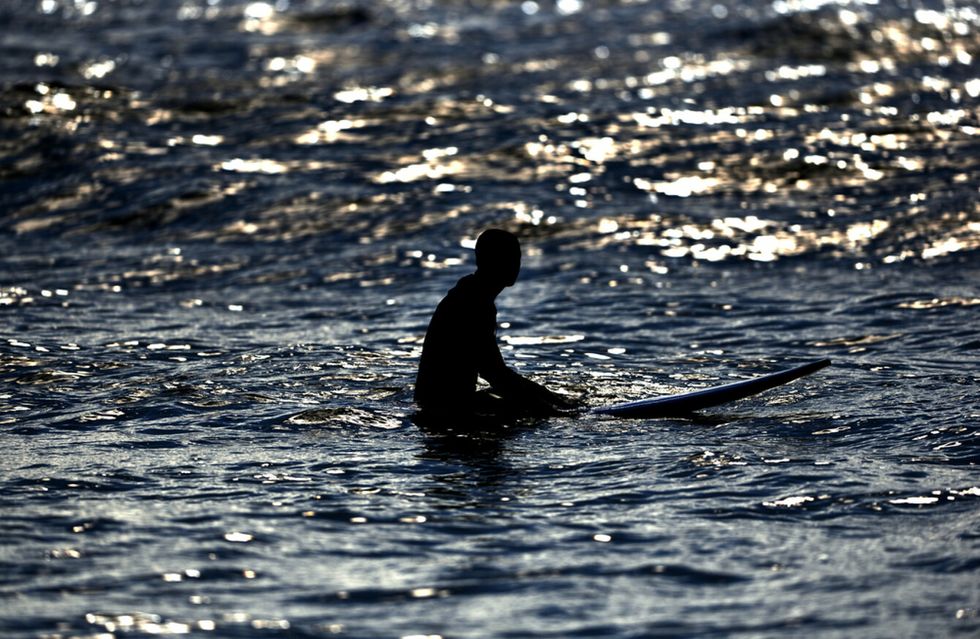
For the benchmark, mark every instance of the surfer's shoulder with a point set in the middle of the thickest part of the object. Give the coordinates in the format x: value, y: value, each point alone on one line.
x: 465, y: 291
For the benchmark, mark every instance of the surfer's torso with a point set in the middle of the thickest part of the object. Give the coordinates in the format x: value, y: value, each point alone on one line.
x: 460, y: 346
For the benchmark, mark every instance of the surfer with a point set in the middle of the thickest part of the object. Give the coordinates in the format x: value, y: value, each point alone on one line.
x: 461, y: 345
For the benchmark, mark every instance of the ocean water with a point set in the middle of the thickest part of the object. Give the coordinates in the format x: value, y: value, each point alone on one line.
x: 223, y: 227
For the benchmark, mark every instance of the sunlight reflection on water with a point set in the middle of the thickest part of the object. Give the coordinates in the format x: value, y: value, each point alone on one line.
x: 225, y: 224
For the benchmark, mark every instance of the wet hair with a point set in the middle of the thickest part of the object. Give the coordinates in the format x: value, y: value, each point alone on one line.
x: 498, y: 252
x: 494, y: 244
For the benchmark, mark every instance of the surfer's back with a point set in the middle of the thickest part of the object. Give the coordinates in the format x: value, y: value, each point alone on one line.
x: 460, y: 329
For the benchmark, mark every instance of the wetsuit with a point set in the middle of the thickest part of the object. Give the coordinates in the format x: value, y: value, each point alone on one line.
x: 461, y: 345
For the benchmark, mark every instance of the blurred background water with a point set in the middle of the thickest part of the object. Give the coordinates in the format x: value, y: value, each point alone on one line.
x: 223, y: 227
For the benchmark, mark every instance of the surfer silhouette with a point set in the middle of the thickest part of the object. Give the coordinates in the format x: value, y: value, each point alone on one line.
x: 461, y: 345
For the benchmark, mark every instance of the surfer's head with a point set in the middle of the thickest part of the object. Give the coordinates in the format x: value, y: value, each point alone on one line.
x: 498, y: 256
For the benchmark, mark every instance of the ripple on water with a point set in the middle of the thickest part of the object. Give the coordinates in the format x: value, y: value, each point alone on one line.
x: 219, y: 260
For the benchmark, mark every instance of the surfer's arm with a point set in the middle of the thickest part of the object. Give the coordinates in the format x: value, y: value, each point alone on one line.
x: 513, y: 386
x: 532, y: 393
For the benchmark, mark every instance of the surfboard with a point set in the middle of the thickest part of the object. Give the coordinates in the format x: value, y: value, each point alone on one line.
x: 686, y: 403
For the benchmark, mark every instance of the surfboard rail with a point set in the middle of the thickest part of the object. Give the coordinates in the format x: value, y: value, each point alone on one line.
x: 692, y: 401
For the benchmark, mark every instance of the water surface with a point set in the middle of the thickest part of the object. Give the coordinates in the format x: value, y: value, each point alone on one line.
x: 223, y: 227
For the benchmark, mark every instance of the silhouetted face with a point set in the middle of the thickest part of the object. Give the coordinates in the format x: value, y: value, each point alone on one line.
x: 498, y: 256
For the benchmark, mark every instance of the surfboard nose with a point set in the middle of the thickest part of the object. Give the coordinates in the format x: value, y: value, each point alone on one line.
x: 690, y: 402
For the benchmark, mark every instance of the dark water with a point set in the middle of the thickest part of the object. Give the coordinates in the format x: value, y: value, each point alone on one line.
x: 223, y: 226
